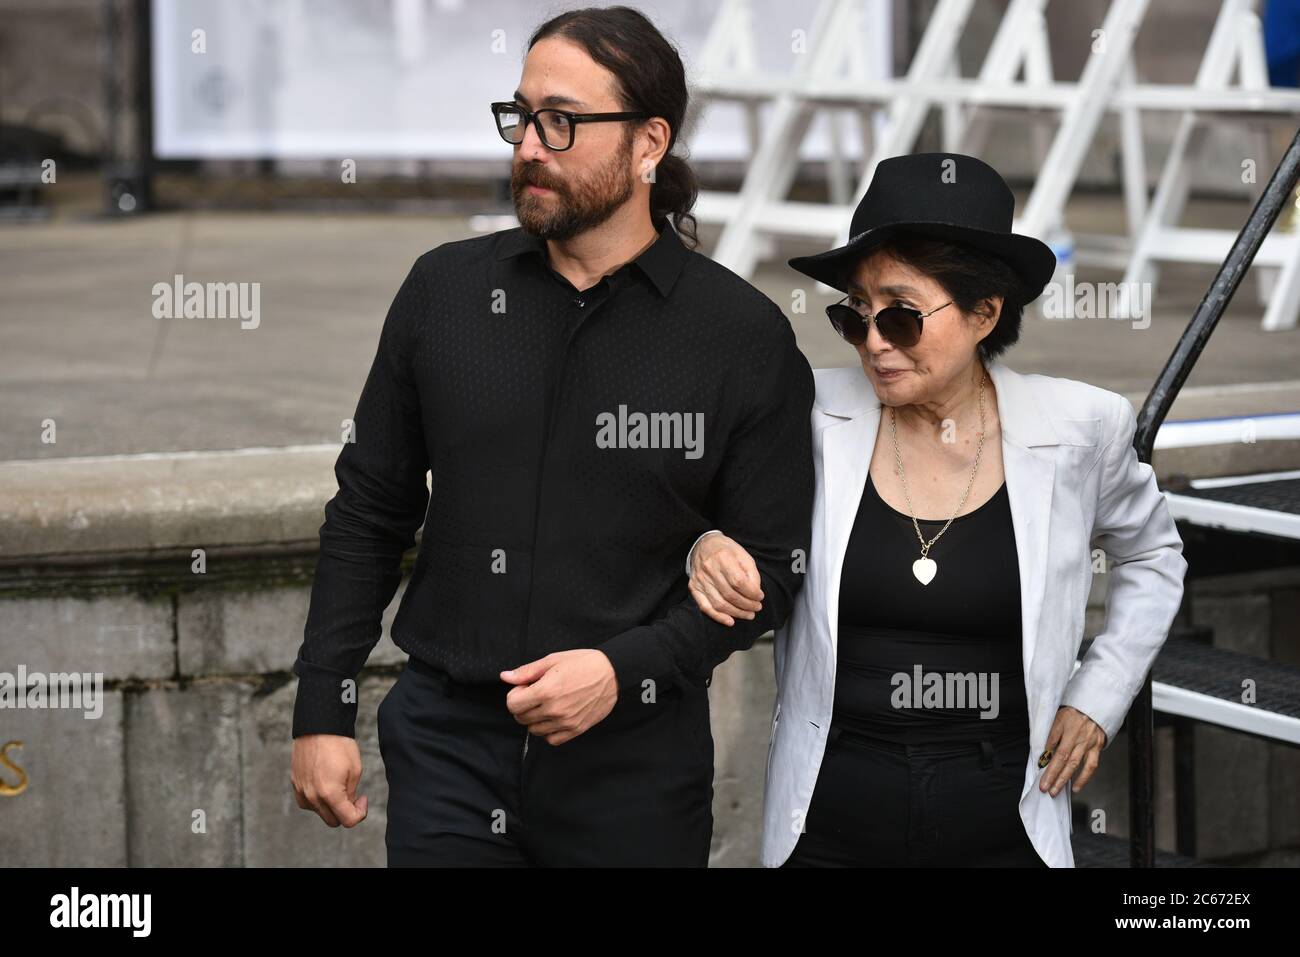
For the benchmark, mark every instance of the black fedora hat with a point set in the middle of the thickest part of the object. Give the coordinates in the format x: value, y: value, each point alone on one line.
x: 943, y: 196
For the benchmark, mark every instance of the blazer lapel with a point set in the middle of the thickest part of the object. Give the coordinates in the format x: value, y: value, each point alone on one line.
x: 1030, y: 477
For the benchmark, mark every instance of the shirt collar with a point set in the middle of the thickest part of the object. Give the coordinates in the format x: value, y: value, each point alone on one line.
x: 661, y: 263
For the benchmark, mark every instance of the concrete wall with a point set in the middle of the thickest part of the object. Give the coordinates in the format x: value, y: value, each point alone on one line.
x: 97, y: 575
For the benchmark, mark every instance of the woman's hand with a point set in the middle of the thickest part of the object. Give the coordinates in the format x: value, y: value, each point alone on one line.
x: 724, y: 580
x: 1074, y: 739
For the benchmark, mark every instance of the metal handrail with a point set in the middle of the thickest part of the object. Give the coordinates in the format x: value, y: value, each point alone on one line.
x: 1157, y: 404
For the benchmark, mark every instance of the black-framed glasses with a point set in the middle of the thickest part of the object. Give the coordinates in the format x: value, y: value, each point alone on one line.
x: 899, y: 324
x: 555, y: 127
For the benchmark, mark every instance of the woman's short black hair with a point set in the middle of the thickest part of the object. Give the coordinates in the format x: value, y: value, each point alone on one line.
x: 969, y: 276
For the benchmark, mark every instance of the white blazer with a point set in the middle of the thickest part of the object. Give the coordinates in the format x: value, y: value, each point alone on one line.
x: 1074, y: 481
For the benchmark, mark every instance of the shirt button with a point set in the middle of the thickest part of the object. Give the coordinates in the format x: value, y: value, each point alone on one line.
x: 579, y: 302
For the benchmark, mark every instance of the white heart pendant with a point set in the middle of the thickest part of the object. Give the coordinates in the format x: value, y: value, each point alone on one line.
x: 924, y: 569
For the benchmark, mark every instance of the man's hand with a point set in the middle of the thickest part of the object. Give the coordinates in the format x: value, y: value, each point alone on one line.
x: 562, y: 695
x: 1073, y: 740
x: 325, y: 773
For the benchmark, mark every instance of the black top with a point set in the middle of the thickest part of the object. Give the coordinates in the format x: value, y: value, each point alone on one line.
x: 893, y: 630
x: 557, y: 519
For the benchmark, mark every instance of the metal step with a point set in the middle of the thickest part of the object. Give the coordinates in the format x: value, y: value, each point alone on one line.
x: 1195, y: 680
x: 1198, y: 681
x: 1253, y: 504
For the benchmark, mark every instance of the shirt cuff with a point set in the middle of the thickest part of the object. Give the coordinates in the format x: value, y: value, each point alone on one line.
x: 637, y: 657
x: 321, y: 706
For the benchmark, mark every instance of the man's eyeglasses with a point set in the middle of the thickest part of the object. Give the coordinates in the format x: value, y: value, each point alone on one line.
x: 900, y: 325
x: 555, y: 127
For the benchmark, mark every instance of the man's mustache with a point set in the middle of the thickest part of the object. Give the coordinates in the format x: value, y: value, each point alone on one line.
x: 534, y: 174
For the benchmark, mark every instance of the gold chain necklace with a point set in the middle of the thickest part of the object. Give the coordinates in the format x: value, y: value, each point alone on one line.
x: 925, y: 568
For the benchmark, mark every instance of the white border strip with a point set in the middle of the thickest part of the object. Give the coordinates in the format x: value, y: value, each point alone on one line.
x: 1171, y: 699
x: 1224, y: 480
x: 1190, y: 433
x: 1237, y: 388
x: 1208, y: 513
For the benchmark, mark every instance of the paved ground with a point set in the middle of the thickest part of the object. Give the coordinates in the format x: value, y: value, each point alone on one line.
x: 82, y: 347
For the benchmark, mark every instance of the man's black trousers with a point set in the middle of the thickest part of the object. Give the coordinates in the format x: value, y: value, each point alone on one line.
x: 635, y: 790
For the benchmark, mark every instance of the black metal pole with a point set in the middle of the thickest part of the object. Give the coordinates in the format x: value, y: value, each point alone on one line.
x: 112, y: 98
x: 1177, y: 368
x: 144, y: 103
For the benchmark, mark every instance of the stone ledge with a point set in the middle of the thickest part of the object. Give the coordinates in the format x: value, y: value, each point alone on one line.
x: 247, y: 502
x: 96, y: 509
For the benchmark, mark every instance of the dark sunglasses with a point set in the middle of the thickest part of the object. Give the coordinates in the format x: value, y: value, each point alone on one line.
x: 900, y: 325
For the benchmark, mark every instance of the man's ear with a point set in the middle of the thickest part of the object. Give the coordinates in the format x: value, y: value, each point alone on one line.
x: 652, y: 141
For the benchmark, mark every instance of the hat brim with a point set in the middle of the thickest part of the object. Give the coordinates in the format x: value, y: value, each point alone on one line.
x: 1032, y: 259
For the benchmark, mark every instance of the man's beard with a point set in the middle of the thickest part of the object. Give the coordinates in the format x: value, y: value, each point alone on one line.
x: 577, y: 204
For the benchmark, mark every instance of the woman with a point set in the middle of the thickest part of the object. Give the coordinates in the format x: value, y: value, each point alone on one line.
x: 928, y: 709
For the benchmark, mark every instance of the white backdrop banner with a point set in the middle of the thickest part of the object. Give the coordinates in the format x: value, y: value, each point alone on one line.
x: 324, y: 79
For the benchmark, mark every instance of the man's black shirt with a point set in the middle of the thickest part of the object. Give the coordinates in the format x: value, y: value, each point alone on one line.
x: 553, y: 523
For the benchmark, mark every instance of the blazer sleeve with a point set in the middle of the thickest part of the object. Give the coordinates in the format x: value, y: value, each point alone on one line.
x: 1143, y: 551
